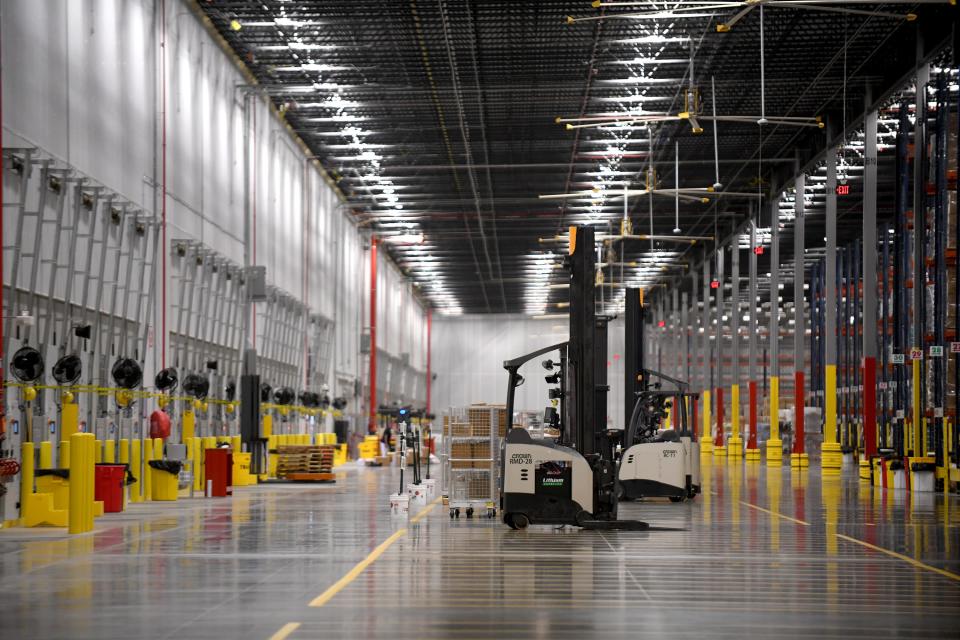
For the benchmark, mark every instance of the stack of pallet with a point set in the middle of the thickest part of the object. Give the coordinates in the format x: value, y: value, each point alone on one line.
x: 312, y: 463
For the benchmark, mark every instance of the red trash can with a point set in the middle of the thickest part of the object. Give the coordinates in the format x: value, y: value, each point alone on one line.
x: 218, y: 472
x: 108, y: 486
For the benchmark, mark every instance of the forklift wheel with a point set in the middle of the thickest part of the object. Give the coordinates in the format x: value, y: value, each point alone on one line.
x: 469, y: 512
x: 519, y: 521
x: 676, y: 498
x: 451, y: 514
x: 457, y: 512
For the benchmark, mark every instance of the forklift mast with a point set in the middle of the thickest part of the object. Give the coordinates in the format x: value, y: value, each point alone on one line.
x: 581, y: 369
x: 633, y: 362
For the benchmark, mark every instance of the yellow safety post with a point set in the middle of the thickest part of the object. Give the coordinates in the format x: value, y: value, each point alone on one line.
x: 26, y: 481
x: 46, y: 455
x: 267, y: 425
x: 147, y: 475
x: 64, y: 454
x: 124, y: 455
x: 735, y: 445
x: 97, y: 451
x: 197, y: 462
x: 774, y: 444
x: 136, y: 469
x: 69, y: 420
x: 189, y: 426
x: 272, y: 443
x: 109, y: 451
x: 81, y: 482
x: 706, y: 441
x: 235, y: 443
x: 831, y: 456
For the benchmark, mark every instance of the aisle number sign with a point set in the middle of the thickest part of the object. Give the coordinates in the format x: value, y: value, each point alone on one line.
x: 936, y: 351
x: 955, y: 347
x: 916, y: 353
x: 897, y: 358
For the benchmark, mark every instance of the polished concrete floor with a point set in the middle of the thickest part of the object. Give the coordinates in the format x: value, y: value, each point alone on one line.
x: 760, y: 554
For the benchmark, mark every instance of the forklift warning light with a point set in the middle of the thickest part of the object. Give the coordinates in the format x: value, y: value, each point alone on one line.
x: 714, y: 284
x: 758, y: 251
x: 662, y: 323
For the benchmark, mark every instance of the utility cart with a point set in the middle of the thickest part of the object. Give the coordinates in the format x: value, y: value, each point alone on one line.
x: 471, y: 449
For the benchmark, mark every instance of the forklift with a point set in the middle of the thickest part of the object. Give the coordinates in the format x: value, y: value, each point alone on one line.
x: 572, y: 481
x: 654, y: 463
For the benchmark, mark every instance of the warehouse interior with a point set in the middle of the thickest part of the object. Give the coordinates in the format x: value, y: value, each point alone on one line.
x: 469, y: 319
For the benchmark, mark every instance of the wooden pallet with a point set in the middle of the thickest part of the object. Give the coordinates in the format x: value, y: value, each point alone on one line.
x: 311, y: 477
x: 305, y: 460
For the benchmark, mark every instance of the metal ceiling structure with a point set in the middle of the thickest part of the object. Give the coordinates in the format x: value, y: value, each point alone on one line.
x: 437, y: 117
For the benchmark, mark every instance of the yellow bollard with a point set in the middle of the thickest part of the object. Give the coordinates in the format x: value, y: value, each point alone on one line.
x: 706, y: 440
x: 26, y: 480
x: 124, y: 451
x: 272, y: 443
x: 147, y: 476
x: 831, y: 457
x: 267, y: 425
x: 109, y: 451
x: 97, y: 451
x: 64, y: 454
x: 774, y: 444
x: 69, y: 419
x: 46, y: 455
x: 80, y: 517
x: 189, y: 426
x: 235, y: 443
x: 135, y: 469
x: 735, y: 444
x: 197, y: 462
x: 92, y: 508
x: 158, y: 448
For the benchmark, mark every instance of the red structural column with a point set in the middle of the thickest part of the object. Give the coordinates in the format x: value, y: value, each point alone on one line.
x: 798, y: 400
x: 718, y: 442
x: 870, y: 407
x: 752, y: 435
x: 372, y: 423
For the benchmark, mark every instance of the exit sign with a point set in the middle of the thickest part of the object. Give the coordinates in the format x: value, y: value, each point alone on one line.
x: 843, y: 189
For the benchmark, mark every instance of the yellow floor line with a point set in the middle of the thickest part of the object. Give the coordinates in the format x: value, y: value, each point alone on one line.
x: 900, y: 556
x: 426, y: 510
x: 285, y: 631
x: 339, y: 585
x: 774, y: 513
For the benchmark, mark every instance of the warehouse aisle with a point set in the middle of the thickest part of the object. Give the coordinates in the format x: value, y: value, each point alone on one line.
x: 757, y: 555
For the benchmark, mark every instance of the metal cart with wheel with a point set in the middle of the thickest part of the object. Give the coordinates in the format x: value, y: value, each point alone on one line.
x: 471, y: 446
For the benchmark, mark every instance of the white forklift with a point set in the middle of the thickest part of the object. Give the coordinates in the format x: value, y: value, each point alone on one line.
x: 572, y: 481
x: 654, y: 462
